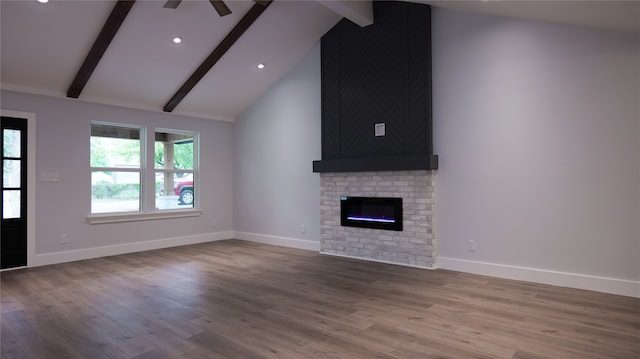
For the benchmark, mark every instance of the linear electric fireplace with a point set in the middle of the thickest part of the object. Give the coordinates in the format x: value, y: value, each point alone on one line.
x: 371, y: 212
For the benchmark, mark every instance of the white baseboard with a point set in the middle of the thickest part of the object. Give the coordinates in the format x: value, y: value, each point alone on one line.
x: 81, y: 254
x: 562, y: 279
x: 278, y: 241
x: 571, y: 280
x: 376, y: 260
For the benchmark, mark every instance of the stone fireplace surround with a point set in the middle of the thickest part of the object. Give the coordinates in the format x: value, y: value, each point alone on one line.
x: 415, y: 246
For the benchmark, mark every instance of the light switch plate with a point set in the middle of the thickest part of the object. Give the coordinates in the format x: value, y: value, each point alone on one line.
x: 380, y: 129
x: 50, y: 177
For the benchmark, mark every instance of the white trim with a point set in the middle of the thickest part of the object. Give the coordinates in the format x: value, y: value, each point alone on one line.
x: 563, y: 279
x: 278, y: 241
x: 376, y: 260
x: 31, y: 178
x: 108, y: 102
x: 82, y: 254
x: 141, y: 216
x: 12, y: 268
x: 32, y: 90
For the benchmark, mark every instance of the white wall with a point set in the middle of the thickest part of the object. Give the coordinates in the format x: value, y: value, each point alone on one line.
x: 275, y: 142
x: 62, y: 144
x: 538, y: 130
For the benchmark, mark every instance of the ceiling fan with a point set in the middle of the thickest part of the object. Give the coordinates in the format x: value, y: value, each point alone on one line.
x: 219, y: 5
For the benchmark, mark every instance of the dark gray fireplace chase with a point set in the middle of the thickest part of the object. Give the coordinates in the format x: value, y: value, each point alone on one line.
x: 378, y: 77
x: 371, y: 212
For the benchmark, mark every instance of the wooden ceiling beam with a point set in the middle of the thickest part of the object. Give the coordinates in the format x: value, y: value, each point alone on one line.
x: 221, y: 8
x: 108, y: 32
x: 172, y: 4
x: 247, y: 20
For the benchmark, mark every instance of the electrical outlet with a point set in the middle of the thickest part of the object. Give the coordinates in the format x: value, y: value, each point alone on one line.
x: 64, y: 238
x: 302, y: 229
x: 471, y: 245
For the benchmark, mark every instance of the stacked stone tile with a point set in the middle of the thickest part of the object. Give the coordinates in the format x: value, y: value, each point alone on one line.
x: 414, y: 246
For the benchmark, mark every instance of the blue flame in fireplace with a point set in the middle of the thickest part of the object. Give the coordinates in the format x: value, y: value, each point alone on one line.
x: 371, y: 212
x: 370, y: 219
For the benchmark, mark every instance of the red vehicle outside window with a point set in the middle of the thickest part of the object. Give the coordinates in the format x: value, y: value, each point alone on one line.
x: 184, y: 191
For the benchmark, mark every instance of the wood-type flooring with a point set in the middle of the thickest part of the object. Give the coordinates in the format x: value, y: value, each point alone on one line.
x: 237, y: 299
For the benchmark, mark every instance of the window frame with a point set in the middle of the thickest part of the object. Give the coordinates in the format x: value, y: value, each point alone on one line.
x: 147, y: 171
x: 196, y: 164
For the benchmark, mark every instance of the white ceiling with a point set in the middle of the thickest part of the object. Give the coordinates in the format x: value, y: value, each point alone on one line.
x: 613, y: 15
x: 43, y: 45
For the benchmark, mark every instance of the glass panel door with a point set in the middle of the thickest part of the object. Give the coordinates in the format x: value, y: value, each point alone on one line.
x: 14, y: 193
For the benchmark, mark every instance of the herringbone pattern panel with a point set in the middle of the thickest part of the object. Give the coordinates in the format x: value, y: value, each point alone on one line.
x: 330, y: 59
x: 419, y: 90
x: 355, y: 111
x: 378, y: 74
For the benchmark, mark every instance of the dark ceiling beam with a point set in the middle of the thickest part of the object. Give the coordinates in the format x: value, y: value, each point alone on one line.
x: 249, y: 18
x: 108, y: 32
x: 172, y: 4
x: 221, y: 8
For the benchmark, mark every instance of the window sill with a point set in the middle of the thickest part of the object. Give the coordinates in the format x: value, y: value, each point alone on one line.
x: 141, y: 216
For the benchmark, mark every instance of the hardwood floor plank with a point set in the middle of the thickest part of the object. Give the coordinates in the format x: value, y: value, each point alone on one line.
x: 522, y: 354
x: 237, y: 299
x: 11, y: 341
x: 324, y: 351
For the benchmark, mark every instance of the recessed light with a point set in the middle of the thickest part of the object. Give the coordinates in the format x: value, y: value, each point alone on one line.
x: 261, y: 66
x: 177, y: 40
x: 43, y: 1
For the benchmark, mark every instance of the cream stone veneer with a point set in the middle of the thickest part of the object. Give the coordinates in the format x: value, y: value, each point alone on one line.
x: 414, y: 246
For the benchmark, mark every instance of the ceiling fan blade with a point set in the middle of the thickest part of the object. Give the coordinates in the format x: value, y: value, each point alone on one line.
x: 220, y: 7
x: 262, y: 2
x: 172, y: 4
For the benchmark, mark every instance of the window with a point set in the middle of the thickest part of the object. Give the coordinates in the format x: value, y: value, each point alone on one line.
x: 12, y: 170
x: 125, y: 179
x: 174, y: 169
x: 116, y: 168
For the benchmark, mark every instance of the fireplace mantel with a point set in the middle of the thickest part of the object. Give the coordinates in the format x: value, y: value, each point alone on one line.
x: 394, y: 163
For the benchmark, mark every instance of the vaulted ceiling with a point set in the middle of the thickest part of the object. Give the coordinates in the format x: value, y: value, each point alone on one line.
x: 44, y: 46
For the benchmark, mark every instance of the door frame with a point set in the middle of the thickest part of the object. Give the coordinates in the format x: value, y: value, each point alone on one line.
x: 31, y: 180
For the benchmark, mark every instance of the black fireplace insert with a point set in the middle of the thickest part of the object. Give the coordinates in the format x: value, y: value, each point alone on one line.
x: 371, y: 212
